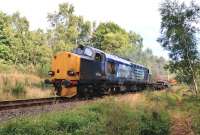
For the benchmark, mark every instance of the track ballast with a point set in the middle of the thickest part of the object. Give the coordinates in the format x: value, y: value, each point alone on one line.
x: 22, y: 103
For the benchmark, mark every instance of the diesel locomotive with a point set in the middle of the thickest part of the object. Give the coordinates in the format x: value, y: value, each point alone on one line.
x: 89, y: 71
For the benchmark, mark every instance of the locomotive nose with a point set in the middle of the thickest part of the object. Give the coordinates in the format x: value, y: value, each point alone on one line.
x: 64, y: 72
x: 65, y: 66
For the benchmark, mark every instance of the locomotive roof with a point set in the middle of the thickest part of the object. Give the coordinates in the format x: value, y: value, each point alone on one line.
x: 117, y: 58
x: 114, y: 57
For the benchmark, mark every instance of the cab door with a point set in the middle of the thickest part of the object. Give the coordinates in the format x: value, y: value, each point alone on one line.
x: 99, y: 60
x: 93, y: 69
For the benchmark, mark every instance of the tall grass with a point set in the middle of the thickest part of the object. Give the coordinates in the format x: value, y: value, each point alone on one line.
x: 5, y: 84
x: 18, y: 90
x: 5, y: 68
x: 16, y: 85
x: 179, y: 100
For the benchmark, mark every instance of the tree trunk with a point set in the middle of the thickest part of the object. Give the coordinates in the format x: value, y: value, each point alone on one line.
x: 195, y: 87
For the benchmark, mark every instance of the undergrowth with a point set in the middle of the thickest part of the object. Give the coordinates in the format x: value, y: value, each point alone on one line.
x: 17, y: 85
x: 104, y: 118
x: 179, y: 100
x: 154, y: 113
x: 16, y: 89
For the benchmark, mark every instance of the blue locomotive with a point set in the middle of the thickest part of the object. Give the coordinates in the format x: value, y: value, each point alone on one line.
x: 90, y: 71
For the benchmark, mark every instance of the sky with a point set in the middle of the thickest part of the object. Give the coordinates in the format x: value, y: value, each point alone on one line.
x: 140, y: 16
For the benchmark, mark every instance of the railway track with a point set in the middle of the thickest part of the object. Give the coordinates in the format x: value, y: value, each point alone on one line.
x: 16, y: 104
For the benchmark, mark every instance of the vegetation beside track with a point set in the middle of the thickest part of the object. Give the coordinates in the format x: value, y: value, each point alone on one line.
x: 18, y: 85
x: 148, y: 113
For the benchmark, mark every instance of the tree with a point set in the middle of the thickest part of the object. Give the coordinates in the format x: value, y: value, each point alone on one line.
x: 33, y: 50
x: 68, y: 28
x: 114, y: 42
x: 178, y: 35
x: 106, y: 30
x: 20, y: 50
x: 5, y: 38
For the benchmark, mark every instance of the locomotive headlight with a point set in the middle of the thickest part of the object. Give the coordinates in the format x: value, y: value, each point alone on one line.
x: 71, y: 73
x: 51, y: 73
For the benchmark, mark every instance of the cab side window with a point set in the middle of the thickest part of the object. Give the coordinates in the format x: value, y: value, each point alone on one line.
x: 111, y: 68
x: 98, y: 57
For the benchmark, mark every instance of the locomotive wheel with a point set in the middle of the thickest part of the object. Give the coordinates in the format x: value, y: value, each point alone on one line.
x: 85, y: 92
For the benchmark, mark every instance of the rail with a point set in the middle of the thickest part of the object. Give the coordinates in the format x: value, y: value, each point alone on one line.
x: 22, y: 103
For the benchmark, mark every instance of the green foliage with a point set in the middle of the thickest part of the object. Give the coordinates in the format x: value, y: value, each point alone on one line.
x: 178, y: 35
x: 32, y: 50
x: 107, y: 117
x: 4, y: 52
x: 4, y: 29
x: 61, y: 46
x: 114, y: 42
x: 5, y: 39
x: 106, y: 36
x: 67, y: 28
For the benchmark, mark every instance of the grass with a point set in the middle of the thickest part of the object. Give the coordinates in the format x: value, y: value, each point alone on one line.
x: 17, y: 86
x: 104, y: 117
x: 18, y: 90
x: 182, y: 106
x: 174, y: 111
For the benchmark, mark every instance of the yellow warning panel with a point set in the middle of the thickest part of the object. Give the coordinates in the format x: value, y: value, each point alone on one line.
x: 64, y: 62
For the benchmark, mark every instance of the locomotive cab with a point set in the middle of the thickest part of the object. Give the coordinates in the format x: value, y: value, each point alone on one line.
x: 65, y: 73
x: 92, y: 64
x: 68, y: 70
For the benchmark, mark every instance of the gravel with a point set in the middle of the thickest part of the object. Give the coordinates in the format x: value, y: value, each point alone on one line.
x: 36, y: 110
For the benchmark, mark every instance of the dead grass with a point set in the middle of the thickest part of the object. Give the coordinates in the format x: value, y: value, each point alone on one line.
x: 30, y: 93
x: 132, y: 99
x: 6, y: 96
x: 38, y: 93
x: 30, y: 82
x: 14, y: 77
x: 171, y: 101
x: 181, y: 124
